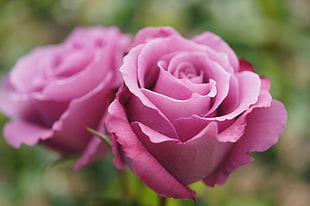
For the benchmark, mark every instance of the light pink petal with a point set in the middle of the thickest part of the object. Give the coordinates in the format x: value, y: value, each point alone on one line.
x: 171, y: 86
x: 232, y: 100
x: 48, y: 111
x: 78, y: 84
x: 26, y: 74
x: 109, y: 41
x: 216, y: 43
x: 20, y: 132
x: 144, y: 165
x: 249, y: 90
x: 235, y: 130
x: 97, y: 36
x: 247, y: 66
x: 174, y: 109
x: 28, y: 108
x: 229, y: 130
x: 149, y: 33
x: 152, y: 117
x: 67, y: 62
x: 157, y: 49
x: 87, y: 111
x: 263, y: 129
x: 14, y: 104
x: 188, y: 161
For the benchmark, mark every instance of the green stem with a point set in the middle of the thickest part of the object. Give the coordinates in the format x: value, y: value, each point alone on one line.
x: 162, y: 201
x: 123, y: 178
x: 105, y: 139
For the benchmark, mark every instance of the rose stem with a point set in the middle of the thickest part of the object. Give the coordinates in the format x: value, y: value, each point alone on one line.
x: 123, y: 178
x: 162, y: 201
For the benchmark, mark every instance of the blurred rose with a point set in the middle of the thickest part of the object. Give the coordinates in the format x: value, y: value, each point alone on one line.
x: 54, y: 92
x: 189, y: 111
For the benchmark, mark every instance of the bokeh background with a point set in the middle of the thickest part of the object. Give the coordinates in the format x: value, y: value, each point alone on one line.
x: 274, y: 35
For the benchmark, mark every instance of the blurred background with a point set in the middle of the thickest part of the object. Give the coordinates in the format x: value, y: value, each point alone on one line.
x: 274, y: 35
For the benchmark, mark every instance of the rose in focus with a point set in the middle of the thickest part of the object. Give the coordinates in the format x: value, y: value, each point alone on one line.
x: 190, y: 110
x: 55, y: 91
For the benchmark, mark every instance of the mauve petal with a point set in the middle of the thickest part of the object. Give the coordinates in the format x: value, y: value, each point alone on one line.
x: 232, y: 100
x: 149, y: 33
x: 229, y: 130
x: 148, y: 116
x: 20, y: 132
x: 48, y: 111
x: 78, y: 84
x: 110, y: 41
x: 245, y: 66
x: 144, y: 165
x: 263, y: 129
x: 174, y: 109
x: 12, y: 104
x: 218, y: 44
x: 129, y: 72
x: 221, y: 79
x: 97, y: 36
x: 86, y: 111
x: 170, y: 86
x: 200, y: 155
x: 249, y: 90
x: 152, y: 53
x: 68, y: 62
x: 26, y: 74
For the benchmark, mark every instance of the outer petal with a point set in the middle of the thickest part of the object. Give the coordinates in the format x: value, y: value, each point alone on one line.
x: 80, y: 83
x: 146, y: 167
x: 109, y: 40
x: 216, y: 43
x: 21, y: 132
x: 70, y: 133
x: 263, y: 130
x: 13, y: 104
x: 149, y: 33
x: 188, y: 161
x: 26, y: 73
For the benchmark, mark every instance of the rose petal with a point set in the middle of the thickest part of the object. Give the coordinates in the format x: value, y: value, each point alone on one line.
x: 20, y: 132
x: 249, y: 89
x: 152, y: 117
x: 152, y: 52
x: 170, y: 86
x: 26, y: 75
x: 145, y: 166
x: 263, y: 129
x: 82, y: 112
x: 78, y: 84
x: 200, y: 155
x: 216, y: 43
x: 174, y: 109
x: 149, y: 33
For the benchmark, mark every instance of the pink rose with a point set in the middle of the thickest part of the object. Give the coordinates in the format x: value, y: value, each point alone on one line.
x: 54, y: 92
x: 189, y: 111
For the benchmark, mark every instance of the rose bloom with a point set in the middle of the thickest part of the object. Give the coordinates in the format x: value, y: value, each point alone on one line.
x: 55, y: 91
x: 190, y: 110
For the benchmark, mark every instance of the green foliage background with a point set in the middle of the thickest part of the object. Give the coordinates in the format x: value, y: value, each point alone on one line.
x: 274, y: 35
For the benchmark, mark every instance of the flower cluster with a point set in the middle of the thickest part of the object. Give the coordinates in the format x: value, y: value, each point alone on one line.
x: 176, y: 110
